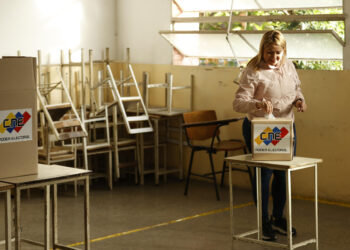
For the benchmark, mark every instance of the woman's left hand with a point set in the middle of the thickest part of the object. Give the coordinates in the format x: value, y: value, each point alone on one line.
x: 300, y: 105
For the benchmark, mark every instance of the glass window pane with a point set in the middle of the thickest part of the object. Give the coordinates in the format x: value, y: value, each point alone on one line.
x: 216, y: 5
x: 308, y: 46
x: 209, y: 45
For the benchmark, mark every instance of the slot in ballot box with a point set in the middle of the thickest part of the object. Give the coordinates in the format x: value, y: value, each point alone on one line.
x: 272, y: 139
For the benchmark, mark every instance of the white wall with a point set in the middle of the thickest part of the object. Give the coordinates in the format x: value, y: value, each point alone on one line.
x: 52, y: 25
x: 138, y: 23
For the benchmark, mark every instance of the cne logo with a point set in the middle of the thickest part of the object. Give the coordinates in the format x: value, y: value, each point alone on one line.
x: 14, y: 122
x: 273, y: 136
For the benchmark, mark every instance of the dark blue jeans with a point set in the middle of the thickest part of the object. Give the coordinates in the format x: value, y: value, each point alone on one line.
x: 278, y: 189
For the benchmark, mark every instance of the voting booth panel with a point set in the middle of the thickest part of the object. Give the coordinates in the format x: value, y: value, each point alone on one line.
x: 272, y: 139
x: 18, y: 117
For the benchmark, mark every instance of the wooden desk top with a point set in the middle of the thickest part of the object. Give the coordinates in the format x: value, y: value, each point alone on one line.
x: 47, y: 173
x: 295, y: 163
x: 5, y: 186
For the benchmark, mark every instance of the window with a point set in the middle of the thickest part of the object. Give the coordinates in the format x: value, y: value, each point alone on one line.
x: 314, y: 30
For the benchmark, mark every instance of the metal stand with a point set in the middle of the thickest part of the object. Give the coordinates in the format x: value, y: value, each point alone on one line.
x: 298, y: 163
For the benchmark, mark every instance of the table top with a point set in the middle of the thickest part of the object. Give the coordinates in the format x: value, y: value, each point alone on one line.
x: 47, y: 173
x: 161, y: 111
x: 5, y: 186
x: 165, y: 112
x: 295, y: 163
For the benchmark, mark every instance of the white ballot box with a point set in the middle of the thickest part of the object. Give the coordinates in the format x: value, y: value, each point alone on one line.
x: 272, y: 139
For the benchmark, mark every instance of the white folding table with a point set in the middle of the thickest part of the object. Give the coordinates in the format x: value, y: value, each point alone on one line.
x: 6, y: 188
x: 49, y: 175
x: 298, y: 163
x: 156, y: 116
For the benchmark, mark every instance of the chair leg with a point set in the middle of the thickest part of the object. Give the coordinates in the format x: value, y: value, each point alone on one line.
x: 250, y: 176
x: 214, y: 176
x: 75, y: 162
x: 223, y: 171
x: 142, y: 158
x: 189, y: 172
x: 110, y: 170
x: 116, y: 174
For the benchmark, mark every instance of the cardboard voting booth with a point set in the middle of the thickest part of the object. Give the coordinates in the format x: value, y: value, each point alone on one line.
x: 272, y: 139
x: 18, y: 117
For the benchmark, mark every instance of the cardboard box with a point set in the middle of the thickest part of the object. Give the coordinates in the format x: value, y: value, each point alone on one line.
x: 272, y: 139
x: 18, y: 117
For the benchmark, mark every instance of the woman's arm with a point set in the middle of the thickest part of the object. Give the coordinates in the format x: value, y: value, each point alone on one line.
x: 244, y: 99
x: 249, y: 96
x: 299, y: 101
x: 300, y: 105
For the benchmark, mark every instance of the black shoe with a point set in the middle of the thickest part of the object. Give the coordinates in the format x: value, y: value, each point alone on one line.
x: 268, y: 232
x: 280, y: 226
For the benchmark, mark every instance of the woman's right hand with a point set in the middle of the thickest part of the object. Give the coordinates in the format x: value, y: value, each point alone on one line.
x: 265, y: 105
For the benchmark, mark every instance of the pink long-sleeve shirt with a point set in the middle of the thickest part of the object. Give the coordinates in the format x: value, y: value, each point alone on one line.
x: 279, y: 85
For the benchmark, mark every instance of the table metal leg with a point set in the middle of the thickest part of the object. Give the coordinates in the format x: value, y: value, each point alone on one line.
x: 289, y: 210
x: 8, y: 220
x: 156, y: 151
x: 231, y: 196
x: 258, y: 202
x: 181, y: 167
x: 54, y: 217
x: 47, y: 218
x: 167, y: 134
x: 17, y: 219
x: 316, y: 207
x: 87, y: 213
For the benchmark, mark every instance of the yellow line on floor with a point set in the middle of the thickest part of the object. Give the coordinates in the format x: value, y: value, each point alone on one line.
x: 336, y: 203
x: 164, y: 223
x: 341, y: 204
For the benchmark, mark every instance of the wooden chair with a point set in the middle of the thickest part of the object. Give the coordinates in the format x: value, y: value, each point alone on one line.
x: 123, y: 143
x: 53, y: 151
x: 201, y: 126
x: 92, y: 145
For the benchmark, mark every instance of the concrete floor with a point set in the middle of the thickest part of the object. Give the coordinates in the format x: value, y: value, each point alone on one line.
x: 153, y: 217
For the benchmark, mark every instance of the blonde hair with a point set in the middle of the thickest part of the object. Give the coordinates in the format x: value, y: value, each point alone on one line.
x: 273, y: 37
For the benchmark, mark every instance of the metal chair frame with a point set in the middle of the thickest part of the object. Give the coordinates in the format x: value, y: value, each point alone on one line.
x: 212, y: 149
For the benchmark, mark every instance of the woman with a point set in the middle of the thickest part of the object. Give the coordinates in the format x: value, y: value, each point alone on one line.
x: 270, y: 85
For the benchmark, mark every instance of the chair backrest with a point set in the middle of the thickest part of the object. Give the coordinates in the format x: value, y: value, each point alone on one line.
x: 92, y: 142
x: 200, y: 132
